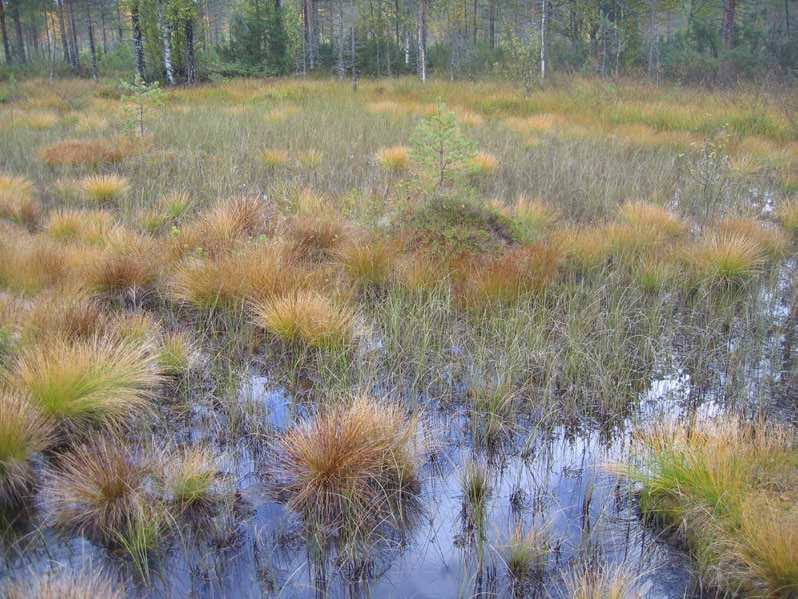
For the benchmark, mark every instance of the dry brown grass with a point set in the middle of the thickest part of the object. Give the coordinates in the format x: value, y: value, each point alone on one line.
x: 368, y: 263
x: 64, y: 585
x: 351, y: 470
x: 771, y: 240
x: 73, y: 152
x: 18, y: 200
x: 653, y: 220
x: 89, y: 227
x: 30, y: 263
x: 725, y: 258
x: 317, y: 235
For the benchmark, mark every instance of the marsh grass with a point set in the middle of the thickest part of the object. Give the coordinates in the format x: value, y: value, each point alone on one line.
x: 24, y: 431
x: 66, y: 585
x: 351, y: 471
x: 18, y: 201
x: 307, y: 318
x: 84, y: 384
x: 721, y: 486
x: 188, y: 477
x: 75, y: 152
x: 602, y: 581
x: 103, y: 190
x: 527, y: 555
x: 725, y: 258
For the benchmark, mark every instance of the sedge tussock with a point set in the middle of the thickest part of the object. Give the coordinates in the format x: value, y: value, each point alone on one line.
x: 395, y: 159
x: 18, y: 200
x: 41, y: 119
x: 602, y: 581
x: 772, y: 241
x: 482, y: 165
x: 29, y: 264
x: 653, y: 220
x: 173, y: 357
x: 175, y: 204
x: 728, y: 489
x: 311, y: 158
x: 97, y: 489
x: 787, y: 213
x: 469, y: 119
x: 725, y: 258
x: 527, y: 553
x: 368, y: 263
x: 68, y: 314
x: 126, y: 263
x: 73, y: 152
x: 307, y: 318
x: 532, y: 218
x: 582, y: 248
x: 84, y: 384
x: 352, y: 469
x: 188, y: 476
x: 317, y: 235
x: 512, y: 276
x: 24, y: 431
x: 66, y: 585
x: 419, y: 272
x: 102, y: 190
x: 274, y: 159
x: 89, y: 227
x: 220, y: 229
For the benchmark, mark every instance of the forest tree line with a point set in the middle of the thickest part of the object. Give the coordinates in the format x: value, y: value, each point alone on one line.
x: 183, y: 41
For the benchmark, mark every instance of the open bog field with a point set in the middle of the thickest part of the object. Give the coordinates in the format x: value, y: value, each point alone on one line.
x: 276, y: 338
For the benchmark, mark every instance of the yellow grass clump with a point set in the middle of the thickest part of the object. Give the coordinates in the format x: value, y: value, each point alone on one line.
x: 24, y: 431
x: 787, y: 213
x: 102, y: 190
x: 18, y: 200
x: 127, y: 264
x: 653, y: 220
x: 85, y: 227
x: 532, y: 218
x: 725, y: 258
x: 64, y: 585
x: 80, y: 385
x: 420, y: 272
x: 309, y: 319
x: 586, y: 248
x: 316, y: 235
x: 311, y: 158
x: 41, y: 119
x: 395, y: 159
x: 482, y: 165
x: 771, y: 240
x: 728, y: 488
x: 367, y: 262
x: 188, y: 478
x: 274, y: 158
x: 29, y: 263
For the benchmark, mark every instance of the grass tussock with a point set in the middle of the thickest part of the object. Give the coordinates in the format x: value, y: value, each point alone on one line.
x: 82, y: 227
x: 771, y: 240
x: 174, y: 354
x: 352, y: 469
x: 127, y: 264
x: 368, y: 263
x: 511, y: 276
x: 102, y: 190
x: 317, y: 235
x: 68, y: 314
x: 63, y: 585
x: 725, y: 258
x: 188, y: 478
x: 527, y: 554
x: 220, y: 229
x: 532, y: 218
x: 395, y: 159
x: 84, y: 384
x: 602, y: 581
x: 787, y: 214
x: 18, y: 202
x: 77, y: 152
x: 653, y: 220
x: 728, y: 489
x: 307, y: 318
x: 274, y: 159
x: 583, y: 249
x: 29, y: 264
x: 24, y: 431
x: 97, y: 490
x: 483, y: 164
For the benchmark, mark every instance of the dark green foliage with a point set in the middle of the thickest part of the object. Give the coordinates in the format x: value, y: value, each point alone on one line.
x: 455, y: 227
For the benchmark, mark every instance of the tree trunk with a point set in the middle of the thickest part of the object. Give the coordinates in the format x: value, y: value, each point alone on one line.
x: 119, y: 20
x: 341, y: 67
x: 166, y: 33
x: 62, y: 27
x: 474, y: 24
x: 492, y: 24
x: 421, y: 61
x: 354, y: 66
x: 102, y: 23
x: 74, y: 30
x: 18, y: 28
x: 6, y: 47
x: 543, y: 40
x: 138, y: 45
x: 727, y: 29
x: 34, y: 34
x: 191, y: 70
x: 94, y: 73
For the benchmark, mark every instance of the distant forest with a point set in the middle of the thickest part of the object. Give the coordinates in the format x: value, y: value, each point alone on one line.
x: 178, y: 41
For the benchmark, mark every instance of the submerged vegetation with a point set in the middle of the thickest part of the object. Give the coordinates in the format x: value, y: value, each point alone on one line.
x: 328, y: 339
